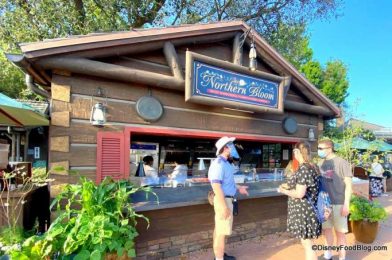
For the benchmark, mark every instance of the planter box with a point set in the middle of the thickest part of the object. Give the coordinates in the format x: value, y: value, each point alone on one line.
x: 36, y: 206
x: 14, y: 197
x: 389, y: 184
x: 364, y: 231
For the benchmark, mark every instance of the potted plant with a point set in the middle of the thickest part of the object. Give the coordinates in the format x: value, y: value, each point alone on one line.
x: 14, y: 197
x: 94, y: 222
x: 364, y: 217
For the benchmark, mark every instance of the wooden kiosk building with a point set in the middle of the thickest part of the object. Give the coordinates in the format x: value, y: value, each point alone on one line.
x: 180, y: 89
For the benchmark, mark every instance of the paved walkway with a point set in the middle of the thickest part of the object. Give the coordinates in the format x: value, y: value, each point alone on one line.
x: 281, y: 246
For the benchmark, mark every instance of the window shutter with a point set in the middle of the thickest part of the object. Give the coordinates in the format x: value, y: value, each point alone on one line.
x: 110, y: 155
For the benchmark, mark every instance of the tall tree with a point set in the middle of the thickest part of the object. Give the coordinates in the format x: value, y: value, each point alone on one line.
x: 292, y: 42
x: 313, y: 72
x: 335, y: 84
x: 266, y: 16
x: 35, y: 20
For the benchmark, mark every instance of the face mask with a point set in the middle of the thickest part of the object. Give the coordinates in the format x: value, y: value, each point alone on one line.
x: 322, y: 153
x: 233, y: 151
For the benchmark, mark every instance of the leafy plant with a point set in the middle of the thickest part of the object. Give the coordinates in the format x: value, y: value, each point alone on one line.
x: 348, y: 144
x: 93, y: 220
x: 17, y: 186
x: 363, y: 209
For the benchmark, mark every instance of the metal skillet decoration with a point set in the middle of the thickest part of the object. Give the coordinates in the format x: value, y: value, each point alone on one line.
x: 290, y: 125
x: 149, y: 108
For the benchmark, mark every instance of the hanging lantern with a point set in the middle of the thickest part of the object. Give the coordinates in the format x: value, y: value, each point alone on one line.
x: 311, y: 135
x: 252, y: 57
x: 98, y: 115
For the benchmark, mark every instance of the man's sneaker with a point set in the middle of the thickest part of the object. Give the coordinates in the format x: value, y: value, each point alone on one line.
x: 323, y: 258
x: 228, y: 257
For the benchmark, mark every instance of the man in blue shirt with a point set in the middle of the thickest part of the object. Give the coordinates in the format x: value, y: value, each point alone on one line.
x: 221, y: 176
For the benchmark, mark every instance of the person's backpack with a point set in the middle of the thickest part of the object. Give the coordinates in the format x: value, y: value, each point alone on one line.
x: 323, y: 208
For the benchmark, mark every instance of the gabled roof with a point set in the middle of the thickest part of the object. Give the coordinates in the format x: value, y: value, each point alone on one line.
x: 134, y: 36
x: 117, y: 43
x: 364, y: 124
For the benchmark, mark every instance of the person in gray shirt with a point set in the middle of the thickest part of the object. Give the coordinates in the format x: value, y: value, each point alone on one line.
x: 336, y: 177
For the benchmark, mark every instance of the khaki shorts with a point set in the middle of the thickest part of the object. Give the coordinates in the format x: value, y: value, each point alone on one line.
x: 336, y: 221
x: 224, y: 226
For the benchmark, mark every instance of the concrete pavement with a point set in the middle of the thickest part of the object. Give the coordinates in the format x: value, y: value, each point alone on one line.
x: 281, y: 246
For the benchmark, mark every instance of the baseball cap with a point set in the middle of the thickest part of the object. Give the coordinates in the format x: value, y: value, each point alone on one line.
x: 222, y: 142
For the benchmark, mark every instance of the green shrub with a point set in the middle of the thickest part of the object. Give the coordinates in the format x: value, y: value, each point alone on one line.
x: 97, y: 219
x: 363, y: 209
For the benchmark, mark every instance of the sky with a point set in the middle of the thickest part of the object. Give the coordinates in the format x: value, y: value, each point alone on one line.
x: 362, y: 38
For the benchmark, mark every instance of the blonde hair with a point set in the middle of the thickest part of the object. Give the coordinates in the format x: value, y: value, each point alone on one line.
x: 329, y: 143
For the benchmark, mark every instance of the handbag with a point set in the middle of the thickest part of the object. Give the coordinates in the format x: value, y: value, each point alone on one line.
x: 323, y: 208
x: 210, y: 197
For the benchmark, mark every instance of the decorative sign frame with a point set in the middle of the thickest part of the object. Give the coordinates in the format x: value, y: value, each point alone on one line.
x: 221, y: 83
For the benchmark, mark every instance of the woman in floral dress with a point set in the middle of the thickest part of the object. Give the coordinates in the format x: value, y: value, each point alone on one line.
x: 302, y: 189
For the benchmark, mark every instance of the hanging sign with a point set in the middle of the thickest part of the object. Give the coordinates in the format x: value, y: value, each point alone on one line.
x: 219, y: 83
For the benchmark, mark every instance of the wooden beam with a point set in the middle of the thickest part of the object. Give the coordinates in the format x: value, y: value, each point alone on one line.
x: 306, y: 108
x: 61, y: 92
x: 113, y: 72
x: 59, y: 144
x: 64, y: 164
x: 60, y: 118
x: 172, y: 60
x: 237, y: 50
x: 133, y: 47
x: 320, y: 125
x: 26, y: 145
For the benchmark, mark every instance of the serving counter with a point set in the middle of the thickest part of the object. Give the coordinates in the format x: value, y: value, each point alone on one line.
x: 196, y: 195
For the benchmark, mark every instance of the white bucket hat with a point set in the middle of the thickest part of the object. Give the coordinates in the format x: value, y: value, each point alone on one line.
x: 222, y: 142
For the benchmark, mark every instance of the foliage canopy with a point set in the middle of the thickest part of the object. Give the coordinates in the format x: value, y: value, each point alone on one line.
x: 281, y: 22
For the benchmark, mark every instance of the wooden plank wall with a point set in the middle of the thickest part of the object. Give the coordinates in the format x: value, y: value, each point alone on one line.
x: 71, y: 112
x: 187, y: 220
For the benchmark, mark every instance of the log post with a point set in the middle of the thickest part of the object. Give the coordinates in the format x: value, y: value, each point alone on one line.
x: 306, y: 108
x: 237, y: 50
x: 111, y: 71
x: 172, y: 59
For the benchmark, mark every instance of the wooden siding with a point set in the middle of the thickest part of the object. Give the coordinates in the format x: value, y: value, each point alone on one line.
x: 187, y: 220
x: 128, y: 92
x: 121, y: 98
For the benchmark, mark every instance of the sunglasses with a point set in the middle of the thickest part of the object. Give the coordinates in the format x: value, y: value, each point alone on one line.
x: 323, y: 148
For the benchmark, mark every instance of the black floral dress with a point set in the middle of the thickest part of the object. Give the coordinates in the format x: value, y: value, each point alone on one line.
x: 302, y: 220
x: 376, y: 186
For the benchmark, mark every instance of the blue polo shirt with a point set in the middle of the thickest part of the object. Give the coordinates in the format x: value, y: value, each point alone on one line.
x: 221, y: 171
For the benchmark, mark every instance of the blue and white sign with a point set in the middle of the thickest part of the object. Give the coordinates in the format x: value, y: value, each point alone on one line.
x: 215, y: 82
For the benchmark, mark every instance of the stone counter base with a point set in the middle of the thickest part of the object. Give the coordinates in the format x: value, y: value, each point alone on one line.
x: 257, y: 218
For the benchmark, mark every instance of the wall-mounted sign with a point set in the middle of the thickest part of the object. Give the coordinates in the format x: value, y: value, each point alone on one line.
x: 215, y: 82
x: 37, y: 152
